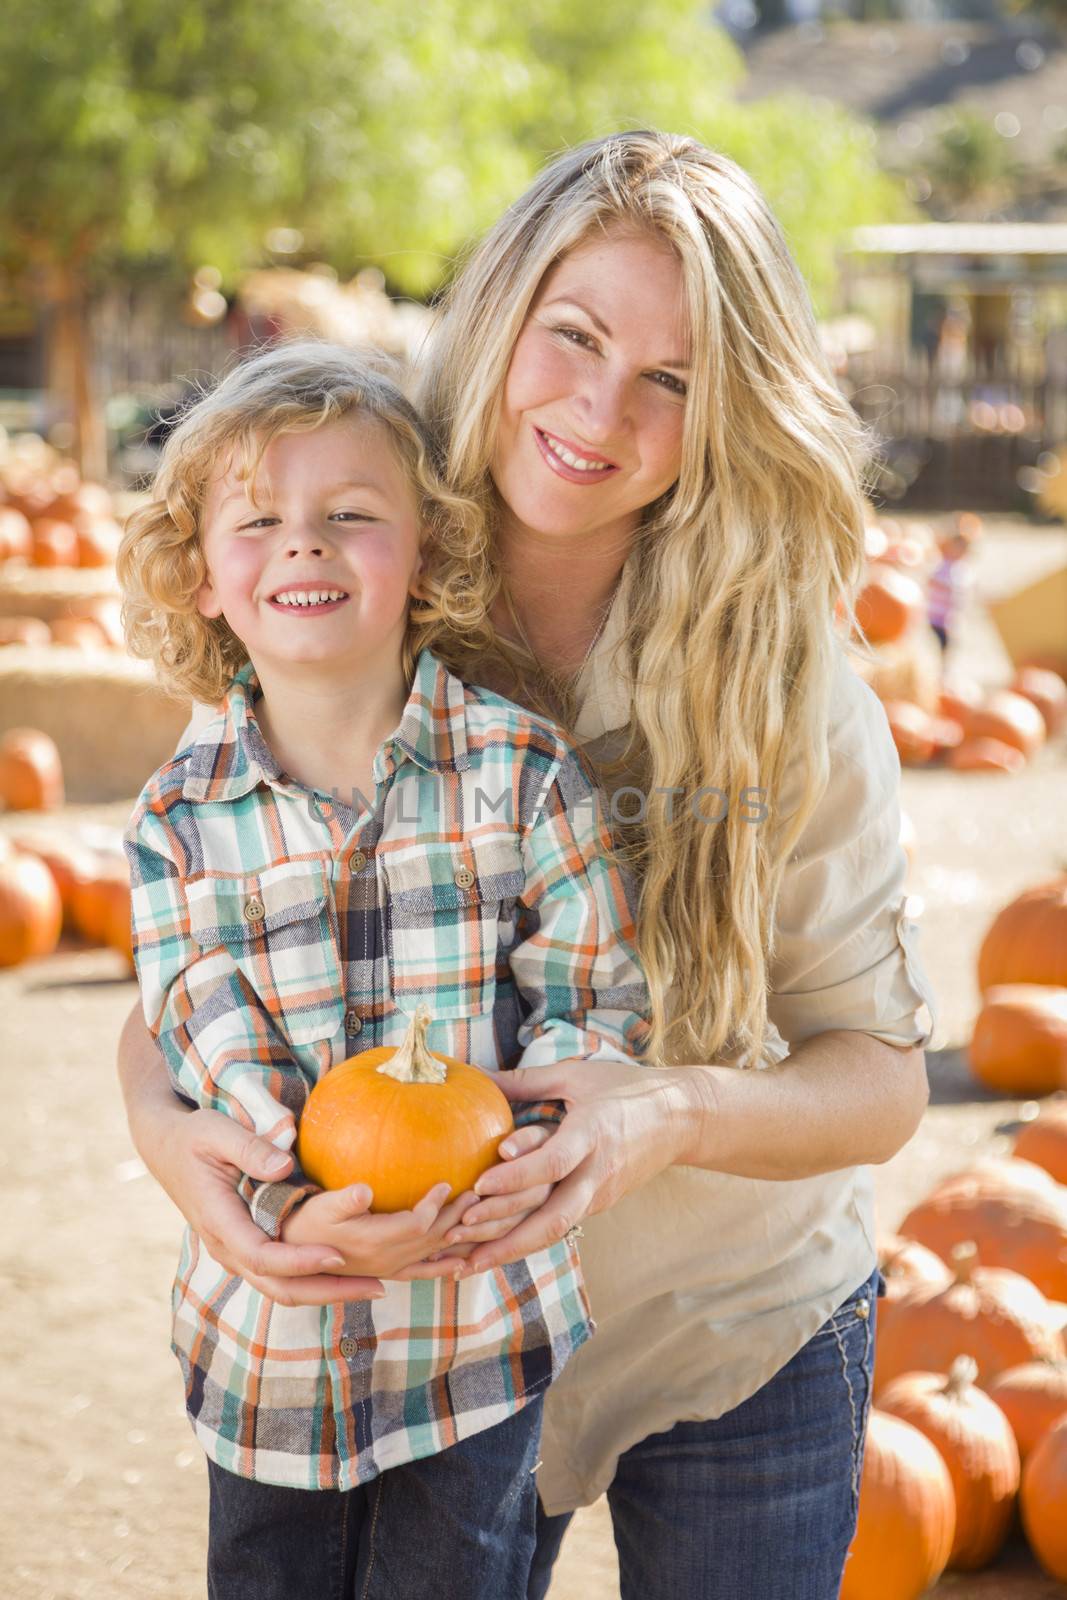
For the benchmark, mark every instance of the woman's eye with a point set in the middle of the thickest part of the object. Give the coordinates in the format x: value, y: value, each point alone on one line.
x: 576, y: 336
x: 672, y: 384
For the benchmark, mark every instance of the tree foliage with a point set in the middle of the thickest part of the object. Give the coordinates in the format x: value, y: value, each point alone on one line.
x: 149, y: 131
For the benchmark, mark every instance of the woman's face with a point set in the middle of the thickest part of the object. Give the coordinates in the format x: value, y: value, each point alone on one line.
x: 591, y: 423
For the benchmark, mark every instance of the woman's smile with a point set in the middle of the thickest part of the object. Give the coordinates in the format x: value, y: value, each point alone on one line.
x: 573, y: 462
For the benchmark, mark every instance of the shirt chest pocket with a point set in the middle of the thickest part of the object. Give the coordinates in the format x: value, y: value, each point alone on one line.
x: 450, y: 908
x: 279, y: 929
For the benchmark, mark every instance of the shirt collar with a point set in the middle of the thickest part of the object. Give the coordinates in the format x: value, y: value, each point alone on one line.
x: 228, y: 762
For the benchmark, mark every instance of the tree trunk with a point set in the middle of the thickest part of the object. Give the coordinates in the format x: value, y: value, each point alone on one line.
x: 70, y: 374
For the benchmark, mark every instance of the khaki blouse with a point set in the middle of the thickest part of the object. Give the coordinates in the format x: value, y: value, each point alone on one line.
x: 703, y: 1285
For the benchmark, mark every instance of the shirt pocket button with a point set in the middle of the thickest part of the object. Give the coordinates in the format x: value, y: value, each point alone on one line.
x: 349, y: 1348
x: 464, y: 878
x: 253, y: 910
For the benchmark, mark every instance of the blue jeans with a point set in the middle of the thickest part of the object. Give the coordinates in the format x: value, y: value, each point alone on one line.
x: 460, y: 1525
x: 759, y: 1504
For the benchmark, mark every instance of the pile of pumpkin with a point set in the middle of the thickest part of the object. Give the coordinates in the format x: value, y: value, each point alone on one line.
x: 1019, y: 1046
x: 49, y: 517
x: 969, y: 1420
x: 52, y: 884
x: 962, y: 725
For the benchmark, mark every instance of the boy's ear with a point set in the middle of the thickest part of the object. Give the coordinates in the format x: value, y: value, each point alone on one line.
x: 207, y: 601
x: 415, y: 586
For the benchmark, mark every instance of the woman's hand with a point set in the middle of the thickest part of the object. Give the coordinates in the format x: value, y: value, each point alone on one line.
x: 623, y: 1126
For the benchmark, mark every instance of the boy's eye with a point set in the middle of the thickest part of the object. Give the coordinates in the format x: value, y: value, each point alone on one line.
x: 354, y: 516
x: 258, y: 522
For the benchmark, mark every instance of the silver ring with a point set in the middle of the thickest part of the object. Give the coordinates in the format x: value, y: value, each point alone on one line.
x: 572, y: 1235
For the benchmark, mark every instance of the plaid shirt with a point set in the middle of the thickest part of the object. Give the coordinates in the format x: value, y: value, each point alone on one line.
x: 278, y: 931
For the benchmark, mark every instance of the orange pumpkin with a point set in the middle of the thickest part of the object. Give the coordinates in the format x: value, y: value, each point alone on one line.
x: 31, y: 774
x: 101, y: 898
x: 1047, y: 691
x: 978, y: 1447
x: 1027, y: 942
x: 907, y: 1515
x: 30, y: 910
x: 1042, y: 1498
x: 1020, y: 1039
x: 888, y: 604
x: 16, y: 535
x: 958, y: 700
x: 25, y: 630
x: 78, y: 633
x: 1012, y: 1210
x: 401, y: 1120
x: 70, y: 864
x: 998, y: 1317
x: 912, y: 730
x: 985, y: 755
x: 907, y: 1266
x: 1012, y: 719
x: 1043, y: 1142
x: 1033, y: 1397
x: 55, y: 543
x: 98, y: 541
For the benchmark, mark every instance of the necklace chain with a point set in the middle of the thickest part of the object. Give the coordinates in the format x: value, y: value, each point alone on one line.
x: 594, y: 641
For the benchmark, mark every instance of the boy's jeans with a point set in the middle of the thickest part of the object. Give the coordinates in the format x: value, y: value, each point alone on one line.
x: 761, y: 1503
x: 459, y: 1525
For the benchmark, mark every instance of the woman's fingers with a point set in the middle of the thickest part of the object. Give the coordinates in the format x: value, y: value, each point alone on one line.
x: 320, y: 1290
x: 538, y: 1083
x: 225, y: 1140
x: 567, y: 1203
x: 499, y: 1208
x: 557, y: 1158
x: 523, y: 1140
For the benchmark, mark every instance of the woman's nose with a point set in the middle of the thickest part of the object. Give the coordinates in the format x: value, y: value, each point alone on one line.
x: 604, y: 409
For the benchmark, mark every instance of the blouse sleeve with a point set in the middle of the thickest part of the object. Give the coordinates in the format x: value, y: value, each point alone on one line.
x: 846, y: 952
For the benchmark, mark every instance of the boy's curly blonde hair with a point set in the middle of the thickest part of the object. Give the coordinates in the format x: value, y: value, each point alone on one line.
x: 287, y: 387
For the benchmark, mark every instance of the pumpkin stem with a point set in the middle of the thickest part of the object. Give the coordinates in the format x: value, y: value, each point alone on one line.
x: 961, y: 1375
x: 412, y: 1062
x: 964, y: 1259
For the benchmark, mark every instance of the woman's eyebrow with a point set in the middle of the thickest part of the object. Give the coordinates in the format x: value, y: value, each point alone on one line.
x: 602, y: 327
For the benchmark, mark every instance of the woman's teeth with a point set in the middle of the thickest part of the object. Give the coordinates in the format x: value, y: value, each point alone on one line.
x: 579, y: 462
x: 308, y: 597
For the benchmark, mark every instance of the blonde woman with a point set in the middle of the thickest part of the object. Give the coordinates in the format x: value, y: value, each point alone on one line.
x: 627, y: 379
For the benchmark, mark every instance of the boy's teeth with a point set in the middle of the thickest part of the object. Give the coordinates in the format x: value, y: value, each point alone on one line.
x: 571, y: 459
x: 308, y: 597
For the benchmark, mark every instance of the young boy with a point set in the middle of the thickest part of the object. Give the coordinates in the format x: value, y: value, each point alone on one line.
x: 355, y: 833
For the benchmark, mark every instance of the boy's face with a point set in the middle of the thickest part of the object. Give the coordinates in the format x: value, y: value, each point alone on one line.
x: 322, y: 569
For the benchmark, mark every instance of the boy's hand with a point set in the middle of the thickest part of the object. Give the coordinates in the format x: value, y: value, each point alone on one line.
x: 379, y: 1246
x: 496, y: 1215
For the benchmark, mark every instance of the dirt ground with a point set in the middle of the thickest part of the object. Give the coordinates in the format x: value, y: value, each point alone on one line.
x: 105, y: 1491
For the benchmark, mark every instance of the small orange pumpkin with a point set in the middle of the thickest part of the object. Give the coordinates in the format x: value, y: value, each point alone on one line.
x: 985, y: 755
x: 907, y: 1515
x: 55, y: 543
x: 401, y: 1120
x: 1027, y: 942
x: 31, y: 774
x: 1042, y: 1498
x: 1020, y: 1039
x: 1012, y: 1210
x: 888, y: 604
x: 1012, y: 719
x: 1043, y: 1142
x: 16, y: 535
x: 978, y: 1447
x: 998, y: 1317
x: 25, y: 630
x: 1033, y: 1397
x: 1048, y: 692
x: 31, y: 913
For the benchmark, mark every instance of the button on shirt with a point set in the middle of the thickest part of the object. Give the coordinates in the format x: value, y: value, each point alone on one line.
x: 276, y: 932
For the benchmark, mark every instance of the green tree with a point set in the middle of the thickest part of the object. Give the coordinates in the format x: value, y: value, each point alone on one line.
x: 149, y: 133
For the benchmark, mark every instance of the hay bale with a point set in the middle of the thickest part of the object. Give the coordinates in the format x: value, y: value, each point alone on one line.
x: 112, y: 722
x: 49, y: 592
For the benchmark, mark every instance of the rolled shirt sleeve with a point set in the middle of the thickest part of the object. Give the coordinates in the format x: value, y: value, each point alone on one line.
x: 846, y: 953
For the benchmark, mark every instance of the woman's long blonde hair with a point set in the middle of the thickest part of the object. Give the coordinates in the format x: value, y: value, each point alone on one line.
x: 730, y: 632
